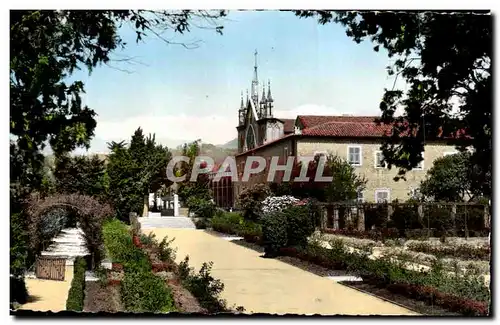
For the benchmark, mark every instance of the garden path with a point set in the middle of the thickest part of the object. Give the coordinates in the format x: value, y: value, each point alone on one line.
x: 270, y: 286
x: 48, y: 295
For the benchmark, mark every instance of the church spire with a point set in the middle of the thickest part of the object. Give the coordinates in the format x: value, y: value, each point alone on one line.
x: 255, y: 82
x: 241, y: 105
x: 269, y: 97
x: 263, y: 99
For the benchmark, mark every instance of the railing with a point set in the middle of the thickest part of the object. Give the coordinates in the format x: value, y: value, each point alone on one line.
x: 459, y: 218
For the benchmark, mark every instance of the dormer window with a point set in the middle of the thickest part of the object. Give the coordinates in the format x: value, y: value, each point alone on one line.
x: 297, y: 130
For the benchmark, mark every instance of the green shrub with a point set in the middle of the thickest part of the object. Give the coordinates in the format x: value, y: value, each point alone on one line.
x: 250, y: 200
x: 166, y: 250
x: 251, y: 231
x: 202, y: 207
x: 227, y: 222
x: 274, y: 231
x: 76, y: 294
x: 121, y: 249
x: 299, y: 225
x: 18, y: 290
x: 203, y: 286
x: 145, y: 292
x: 148, y: 240
x: 202, y: 223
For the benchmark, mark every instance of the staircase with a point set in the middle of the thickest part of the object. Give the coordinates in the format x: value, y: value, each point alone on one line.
x: 68, y: 244
x: 166, y: 222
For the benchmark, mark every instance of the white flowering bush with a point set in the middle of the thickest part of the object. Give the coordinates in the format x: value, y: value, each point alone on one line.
x: 273, y: 204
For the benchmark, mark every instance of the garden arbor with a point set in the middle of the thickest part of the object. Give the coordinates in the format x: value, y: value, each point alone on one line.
x: 89, y: 212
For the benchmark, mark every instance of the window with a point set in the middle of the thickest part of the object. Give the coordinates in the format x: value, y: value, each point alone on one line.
x: 382, y: 195
x: 420, y: 165
x: 250, y: 138
x: 379, y: 157
x: 354, y: 155
x: 286, y: 152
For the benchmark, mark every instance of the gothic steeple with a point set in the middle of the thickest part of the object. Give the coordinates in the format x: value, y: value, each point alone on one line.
x: 241, y: 112
x: 255, y: 83
x: 269, y: 99
x: 263, y: 103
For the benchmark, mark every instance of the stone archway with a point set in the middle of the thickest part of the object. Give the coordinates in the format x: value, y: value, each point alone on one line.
x: 90, y: 213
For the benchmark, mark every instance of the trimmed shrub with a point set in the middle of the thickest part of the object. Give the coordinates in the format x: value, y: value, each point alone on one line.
x: 145, y: 292
x: 227, y: 222
x: 299, y: 225
x: 274, y: 232
x: 76, y: 294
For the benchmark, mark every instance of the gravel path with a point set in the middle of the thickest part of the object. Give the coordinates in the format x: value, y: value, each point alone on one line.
x: 270, y: 286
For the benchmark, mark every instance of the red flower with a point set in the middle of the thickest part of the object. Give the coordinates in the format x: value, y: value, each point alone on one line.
x: 117, y: 267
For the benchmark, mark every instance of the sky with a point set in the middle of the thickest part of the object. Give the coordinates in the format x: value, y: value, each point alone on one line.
x: 187, y: 94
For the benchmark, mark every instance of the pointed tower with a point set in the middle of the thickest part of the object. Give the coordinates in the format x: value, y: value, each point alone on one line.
x: 241, y: 111
x: 269, y: 99
x: 255, y: 83
x: 263, y: 103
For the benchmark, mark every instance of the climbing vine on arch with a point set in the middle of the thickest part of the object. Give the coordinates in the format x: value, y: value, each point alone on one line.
x: 90, y: 214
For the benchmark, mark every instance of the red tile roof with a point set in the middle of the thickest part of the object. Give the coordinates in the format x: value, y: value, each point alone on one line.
x: 351, y: 126
x: 314, y: 120
x: 289, y: 125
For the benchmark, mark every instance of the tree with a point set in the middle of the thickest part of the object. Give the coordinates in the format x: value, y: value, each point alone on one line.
x: 443, y: 58
x: 344, y: 186
x: 135, y: 171
x: 198, y: 188
x: 450, y: 179
x: 48, y: 46
x: 81, y: 175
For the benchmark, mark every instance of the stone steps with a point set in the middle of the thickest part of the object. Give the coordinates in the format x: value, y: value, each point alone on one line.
x: 167, y: 222
x: 69, y: 244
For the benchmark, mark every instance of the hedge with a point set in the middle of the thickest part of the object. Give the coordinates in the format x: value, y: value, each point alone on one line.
x: 141, y: 290
x: 145, y: 292
x: 120, y: 247
x: 76, y: 294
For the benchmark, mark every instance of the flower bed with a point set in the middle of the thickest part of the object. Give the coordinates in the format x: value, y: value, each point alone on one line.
x: 201, y: 287
x: 399, y: 280
x: 465, y: 294
x: 141, y: 290
x: 468, y: 252
x: 376, y: 234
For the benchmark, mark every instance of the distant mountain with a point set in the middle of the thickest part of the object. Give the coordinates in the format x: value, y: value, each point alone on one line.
x: 233, y: 144
x: 217, y: 153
